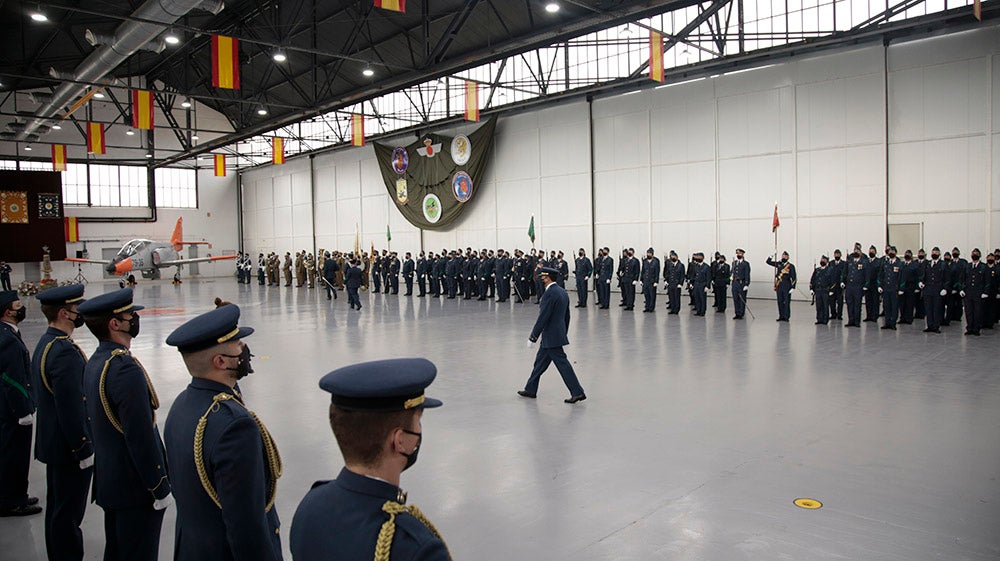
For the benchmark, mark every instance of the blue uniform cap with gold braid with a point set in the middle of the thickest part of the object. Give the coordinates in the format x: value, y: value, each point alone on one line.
x: 209, y: 329
x: 62, y: 295
x: 552, y: 273
x: 8, y: 296
x: 115, y: 302
x: 382, y: 386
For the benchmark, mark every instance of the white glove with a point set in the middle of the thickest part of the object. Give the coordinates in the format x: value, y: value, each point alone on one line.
x: 609, y: 281
x: 812, y: 293
x: 920, y: 284
x: 163, y: 503
x: 706, y: 290
x: 27, y: 421
x: 830, y: 294
x: 900, y: 292
x: 635, y: 283
x: 87, y: 462
x: 961, y: 293
x: 522, y: 278
x: 746, y: 288
x: 985, y: 296
x: 792, y: 291
x: 944, y: 292
x: 842, y: 285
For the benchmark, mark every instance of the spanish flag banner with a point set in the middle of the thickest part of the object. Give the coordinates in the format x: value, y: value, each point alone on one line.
x: 278, y: 150
x: 71, y: 227
x: 225, y: 62
x: 95, y: 138
x: 142, y: 109
x: 220, y: 165
x: 471, y: 101
x: 58, y: 157
x: 656, y: 56
x: 391, y: 5
x: 977, y: 9
x: 357, y: 129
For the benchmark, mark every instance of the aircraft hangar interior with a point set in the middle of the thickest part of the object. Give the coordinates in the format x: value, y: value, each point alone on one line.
x: 419, y: 206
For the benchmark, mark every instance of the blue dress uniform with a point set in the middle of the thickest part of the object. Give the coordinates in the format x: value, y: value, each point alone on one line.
x: 821, y: 285
x: 909, y: 286
x: 130, y: 473
x: 422, y: 276
x: 356, y: 517
x: 330, y: 269
x: 352, y: 282
x: 872, y: 296
x: 934, y: 277
x: 551, y: 326
x: 975, y: 289
x: 17, y: 404
x: 741, y: 285
x: 604, y: 276
x: 408, y: 269
x: 583, y: 270
x: 62, y: 438
x: 838, y: 277
x: 720, y: 280
x: 630, y: 279
x: 856, y: 283
x: 956, y: 278
x: 502, y: 270
x: 224, y: 464
x: 674, y: 276
x: 701, y: 276
x: 649, y: 276
x: 890, y: 284
x: 784, y: 283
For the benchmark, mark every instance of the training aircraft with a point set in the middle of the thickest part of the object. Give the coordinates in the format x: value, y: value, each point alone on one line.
x: 148, y: 257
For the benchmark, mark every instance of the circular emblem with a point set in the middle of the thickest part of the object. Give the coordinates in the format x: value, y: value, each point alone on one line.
x: 461, y: 149
x: 432, y: 208
x: 461, y: 186
x: 401, y: 194
x: 49, y: 206
x: 400, y: 160
x: 14, y: 208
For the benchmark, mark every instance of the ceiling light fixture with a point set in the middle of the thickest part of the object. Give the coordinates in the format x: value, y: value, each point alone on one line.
x: 57, y: 127
x: 368, y: 72
x: 186, y: 103
x: 130, y: 132
x: 552, y: 7
x: 279, y: 56
x: 39, y: 16
x: 194, y: 137
x: 171, y: 38
x: 261, y: 110
x: 98, y: 95
x: 148, y: 155
x: 28, y: 148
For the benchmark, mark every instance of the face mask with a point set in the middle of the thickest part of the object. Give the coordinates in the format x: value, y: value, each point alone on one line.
x: 857, y: 254
x: 892, y: 254
x: 581, y: 254
x: 975, y: 257
x: 871, y: 254
x: 823, y: 263
x: 935, y: 256
x: 991, y: 262
x: 955, y: 254
x: 20, y: 314
x: 908, y: 257
x: 133, y: 326
x: 674, y: 259
x: 411, y: 458
x: 784, y: 260
x: 243, y: 368
x: 836, y: 258
x: 739, y: 258
x: 78, y: 320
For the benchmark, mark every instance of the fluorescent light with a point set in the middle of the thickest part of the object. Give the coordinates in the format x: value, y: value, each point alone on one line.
x: 98, y: 95
x: 677, y: 83
x: 279, y: 56
x: 552, y: 7
x: 130, y: 132
x: 368, y: 72
x: 39, y: 16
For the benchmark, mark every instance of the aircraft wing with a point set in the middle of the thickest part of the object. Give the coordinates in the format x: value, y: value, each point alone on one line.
x: 78, y: 260
x: 196, y: 260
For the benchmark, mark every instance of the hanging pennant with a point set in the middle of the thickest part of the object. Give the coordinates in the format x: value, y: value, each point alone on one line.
x: 225, y: 62
x: 95, y: 138
x: 357, y: 129
x: 278, y: 150
x: 142, y: 109
x: 58, y: 157
x: 471, y: 101
x: 392, y: 5
x: 656, y: 56
x: 220, y: 165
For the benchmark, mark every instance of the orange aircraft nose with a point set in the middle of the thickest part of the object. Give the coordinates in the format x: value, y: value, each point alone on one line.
x: 123, y: 266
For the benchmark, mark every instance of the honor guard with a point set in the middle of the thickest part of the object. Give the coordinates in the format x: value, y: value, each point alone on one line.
x: 583, y: 271
x: 908, y: 288
x: 261, y: 264
x: 604, y: 276
x: 504, y: 272
x: 649, y: 275
x: 17, y: 411
x: 630, y: 279
x: 838, y: 278
x: 975, y: 290
x: 701, y: 277
x: 408, y: 269
x: 224, y: 464
x: 375, y: 413
x: 784, y: 284
x: 673, y: 280
x: 741, y: 284
x: 62, y: 439
x: 855, y: 285
x: 872, y: 296
x: 933, y: 280
x: 394, y: 267
x: 890, y: 286
x: 130, y: 474
x: 720, y: 282
x: 821, y: 288
x: 421, y: 275
x: 286, y: 268
x: 330, y: 269
x: 918, y: 307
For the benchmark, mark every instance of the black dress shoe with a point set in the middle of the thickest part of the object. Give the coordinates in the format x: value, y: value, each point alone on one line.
x: 26, y: 510
x: 820, y: 323
x: 629, y: 309
x: 32, y: 501
x: 576, y: 398
x: 523, y: 393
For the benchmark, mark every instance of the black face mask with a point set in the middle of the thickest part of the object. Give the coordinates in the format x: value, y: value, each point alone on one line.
x: 133, y: 326
x: 243, y: 368
x: 975, y: 256
x: 955, y: 255
x: 908, y: 257
x: 935, y: 256
x: 784, y: 260
x: 991, y: 262
x: 871, y: 254
x: 78, y: 320
x: 857, y: 254
x: 411, y: 458
x: 674, y: 259
x: 20, y: 314
x: 823, y: 263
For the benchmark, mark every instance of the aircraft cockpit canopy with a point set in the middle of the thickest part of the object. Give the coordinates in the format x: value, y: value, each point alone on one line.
x: 133, y: 247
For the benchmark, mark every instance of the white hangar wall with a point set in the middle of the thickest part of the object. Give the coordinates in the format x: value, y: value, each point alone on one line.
x: 846, y: 143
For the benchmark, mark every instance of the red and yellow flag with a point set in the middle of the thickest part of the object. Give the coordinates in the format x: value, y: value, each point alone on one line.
x: 391, y: 5
x: 977, y: 9
x: 225, y: 62
x: 278, y: 150
x: 71, y: 227
x: 357, y: 129
x: 656, y: 56
x: 58, y: 157
x: 774, y: 220
x: 220, y: 165
x: 142, y: 109
x: 95, y: 138
x: 471, y: 101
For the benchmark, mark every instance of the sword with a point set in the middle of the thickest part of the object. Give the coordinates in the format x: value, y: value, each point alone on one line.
x: 746, y: 305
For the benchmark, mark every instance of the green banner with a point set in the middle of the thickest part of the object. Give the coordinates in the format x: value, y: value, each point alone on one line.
x: 433, y: 179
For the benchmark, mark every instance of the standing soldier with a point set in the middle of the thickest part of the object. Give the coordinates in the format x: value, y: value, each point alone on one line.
x: 784, y: 284
x: 5, y: 271
x: 855, y: 285
x: 604, y: 276
x: 563, y: 268
x: 17, y: 411
x: 958, y: 271
x: 330, y: 269
x: 421, y: 274
x: 909, y: 288
x: 821, y: 287
x: 673, y: 279
x: 633, y: 270
x: 287, y: 268
x: 701, y: 276
x: 991, y: 307
x: 649, y: 274
x: 63, y: 434
x: 451, y: 275
x: 918, y: 308
x: 741, y: 284
x: 224, y: 463
x: 409, y: 267
x: 872, y: 295
x: 975, y: 289
x: 503, y: 272
x: 394, y: 267
x: 310, y: 264
x: 620, y: 276
x: 933, y: 280
x: 890, y: 283
x: 300, y: 270
x: 597, y: 272
x: 838, y: 277
x: 521, y: 274
x: 583, y: 270
x: 261, y: 265
x: 719, y: 284
x: 130, y: 474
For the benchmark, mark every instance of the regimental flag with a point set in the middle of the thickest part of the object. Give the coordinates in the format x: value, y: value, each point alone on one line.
x: 49, y: 205
x: 531, y: 230
x: 58, y: 157
x: 220, y: 165
x: 471, y: 101
x: 977, y: 9
x: 278, y: 150
x: 391, y: 5
x: 95, y: 138
x: 656, y: 56
x: 388, y: 234
x: 142, y: 109
x: 71, y: 227
x: 225, y: 62
x: 357, y: 129
x: 13, y: 207
x: 774, y: 221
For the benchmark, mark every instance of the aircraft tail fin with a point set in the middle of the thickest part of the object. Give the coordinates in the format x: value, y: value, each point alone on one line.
x: 178, y: 235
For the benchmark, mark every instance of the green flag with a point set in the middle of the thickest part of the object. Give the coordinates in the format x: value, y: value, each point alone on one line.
x: 388, y: 234
x: 531, y: 230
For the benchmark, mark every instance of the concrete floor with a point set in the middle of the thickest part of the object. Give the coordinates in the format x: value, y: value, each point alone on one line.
x: 697, y: 434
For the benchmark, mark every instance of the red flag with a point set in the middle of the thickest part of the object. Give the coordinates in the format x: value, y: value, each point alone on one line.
x: 220, y: 165
x: 58, y: 157
x: 278, y: 150
x: 225, y: 62
x: 357, y: 129
x: 95, y: 138
x: 656, y: 56
x: 391, y: 5
x: 774, y: 221
x: 471, y: 101
x: 142, y: 109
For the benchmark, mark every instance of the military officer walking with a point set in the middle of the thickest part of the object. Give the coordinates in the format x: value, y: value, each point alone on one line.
x: 551, y: 326
x: 673, y: 279
x: 62, y: 440
x: 934, y: 280
x: 784, y: 284
x: 375, y: 413
x: 741, y: 284
x: 352, y: 282
x: 224, y: 464
x: 130, y: 474
x: 330, y: 269
x: 821, y: 287
x: 17, y: 411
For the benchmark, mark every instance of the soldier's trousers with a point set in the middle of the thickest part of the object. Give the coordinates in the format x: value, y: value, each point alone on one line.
x: 65, y: 503
x: 452, y: 286
x: 673, y: 297
x: 15, y: 461
x: 890, y: 304
x: 853, y: 296
x: 871, y: 304
x: 784, y: 302
x: 409, y: 284
x: 699, y: 293
x: 649, y: 295
x: 973, y: 313
x: 906, y: 303
x: 260, y: 276
x: 837, y: 303
x: 824, y: 304
x: 581, y: 292
x: 933, y: 309
x: 543, y: 359
x: 288, y: 277
x: 132, y: 534
x: 394, y: 283
x: 376, y: 283
x: 919, y: 312
x: 352, y: 297
x: 955, y: 307
x: 629, y: 290
x: 719, y: 290
x: 421, y: 285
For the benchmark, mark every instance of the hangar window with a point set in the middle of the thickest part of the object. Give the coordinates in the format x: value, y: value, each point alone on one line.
x: 176, y: 188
